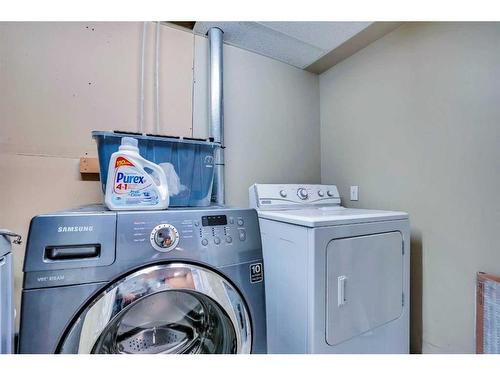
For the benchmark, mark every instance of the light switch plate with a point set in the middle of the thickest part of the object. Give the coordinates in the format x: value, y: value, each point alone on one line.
x: 354, y: 193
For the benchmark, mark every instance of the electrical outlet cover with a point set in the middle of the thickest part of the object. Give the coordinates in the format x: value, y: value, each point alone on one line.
x: 354, y: 193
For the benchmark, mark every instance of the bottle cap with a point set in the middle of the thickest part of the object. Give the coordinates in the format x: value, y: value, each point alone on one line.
x: 128, y: 141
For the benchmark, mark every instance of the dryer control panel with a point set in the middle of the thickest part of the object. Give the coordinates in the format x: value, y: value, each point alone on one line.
x: 283, y: 196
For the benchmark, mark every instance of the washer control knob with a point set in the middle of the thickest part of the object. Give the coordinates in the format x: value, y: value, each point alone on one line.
x: 283, y: 193
x: 216, y: 240
x: 204, y: 242
x: 229, y: 239
x: 302, y: 193
x: 321, y: 193
x: 330, y: 193
x: 240, y: 222
x: 164, y: 237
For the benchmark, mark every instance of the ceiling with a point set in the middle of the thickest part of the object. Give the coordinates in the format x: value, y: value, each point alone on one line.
x: 296, y: 43
x: 312, y: 46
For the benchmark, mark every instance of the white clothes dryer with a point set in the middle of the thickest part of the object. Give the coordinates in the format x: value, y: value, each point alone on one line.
x: 337, y: 279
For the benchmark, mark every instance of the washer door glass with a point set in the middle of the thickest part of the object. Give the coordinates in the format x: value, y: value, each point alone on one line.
x: 173, y: 308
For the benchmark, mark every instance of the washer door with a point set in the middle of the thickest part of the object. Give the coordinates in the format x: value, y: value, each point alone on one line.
x: 172, y: 308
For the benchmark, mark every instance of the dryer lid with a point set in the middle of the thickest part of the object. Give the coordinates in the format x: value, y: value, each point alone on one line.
x: 310, y: 206
x: 328, y: 216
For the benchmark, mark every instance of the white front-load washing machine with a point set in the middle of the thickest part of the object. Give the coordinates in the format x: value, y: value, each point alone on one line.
x: 337, y: 279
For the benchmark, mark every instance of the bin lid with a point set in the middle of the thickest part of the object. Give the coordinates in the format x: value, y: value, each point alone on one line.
x: 155, y: 137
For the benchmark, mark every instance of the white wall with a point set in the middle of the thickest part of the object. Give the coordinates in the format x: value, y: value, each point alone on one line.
x: 413, y: 119
x: 60, y: 81
x: 271, y: 119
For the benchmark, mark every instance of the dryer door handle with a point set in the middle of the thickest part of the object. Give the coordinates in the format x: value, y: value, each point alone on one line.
x: 341, y: 281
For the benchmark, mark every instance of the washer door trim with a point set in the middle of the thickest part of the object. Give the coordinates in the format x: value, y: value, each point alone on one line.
x: 93, y: 320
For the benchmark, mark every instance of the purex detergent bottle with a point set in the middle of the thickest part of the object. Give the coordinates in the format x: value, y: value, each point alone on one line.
x: 130, y: 186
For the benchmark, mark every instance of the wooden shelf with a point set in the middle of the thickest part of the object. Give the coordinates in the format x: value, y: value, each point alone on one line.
x: 89, y: 167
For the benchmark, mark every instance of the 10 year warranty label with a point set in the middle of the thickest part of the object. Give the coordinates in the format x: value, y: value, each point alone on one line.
x: 256, y: 273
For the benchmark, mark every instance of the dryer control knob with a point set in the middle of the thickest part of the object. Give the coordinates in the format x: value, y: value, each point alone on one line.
x: 320, y: 193
x: 164, y: 237
x: 283, y: 193
x: 302, y: 193
x: 330, y: 193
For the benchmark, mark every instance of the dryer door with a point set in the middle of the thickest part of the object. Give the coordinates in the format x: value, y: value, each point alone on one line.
x: 364, y: 284
x: 171, y: 308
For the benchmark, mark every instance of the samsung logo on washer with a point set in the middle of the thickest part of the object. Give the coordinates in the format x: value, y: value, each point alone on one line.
x: 87, y: 228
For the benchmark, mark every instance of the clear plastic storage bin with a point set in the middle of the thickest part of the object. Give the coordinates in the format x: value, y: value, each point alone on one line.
x: 192, y: 160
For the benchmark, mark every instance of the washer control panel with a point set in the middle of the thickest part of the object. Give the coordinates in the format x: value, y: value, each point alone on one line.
x: 187, y: 232
x: 164, y: 237
x: 276, y: 196
x: 214, y: 236
x: 221, y: 230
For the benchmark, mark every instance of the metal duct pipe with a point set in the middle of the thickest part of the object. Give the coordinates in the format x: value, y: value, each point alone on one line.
x: 216, y: 99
